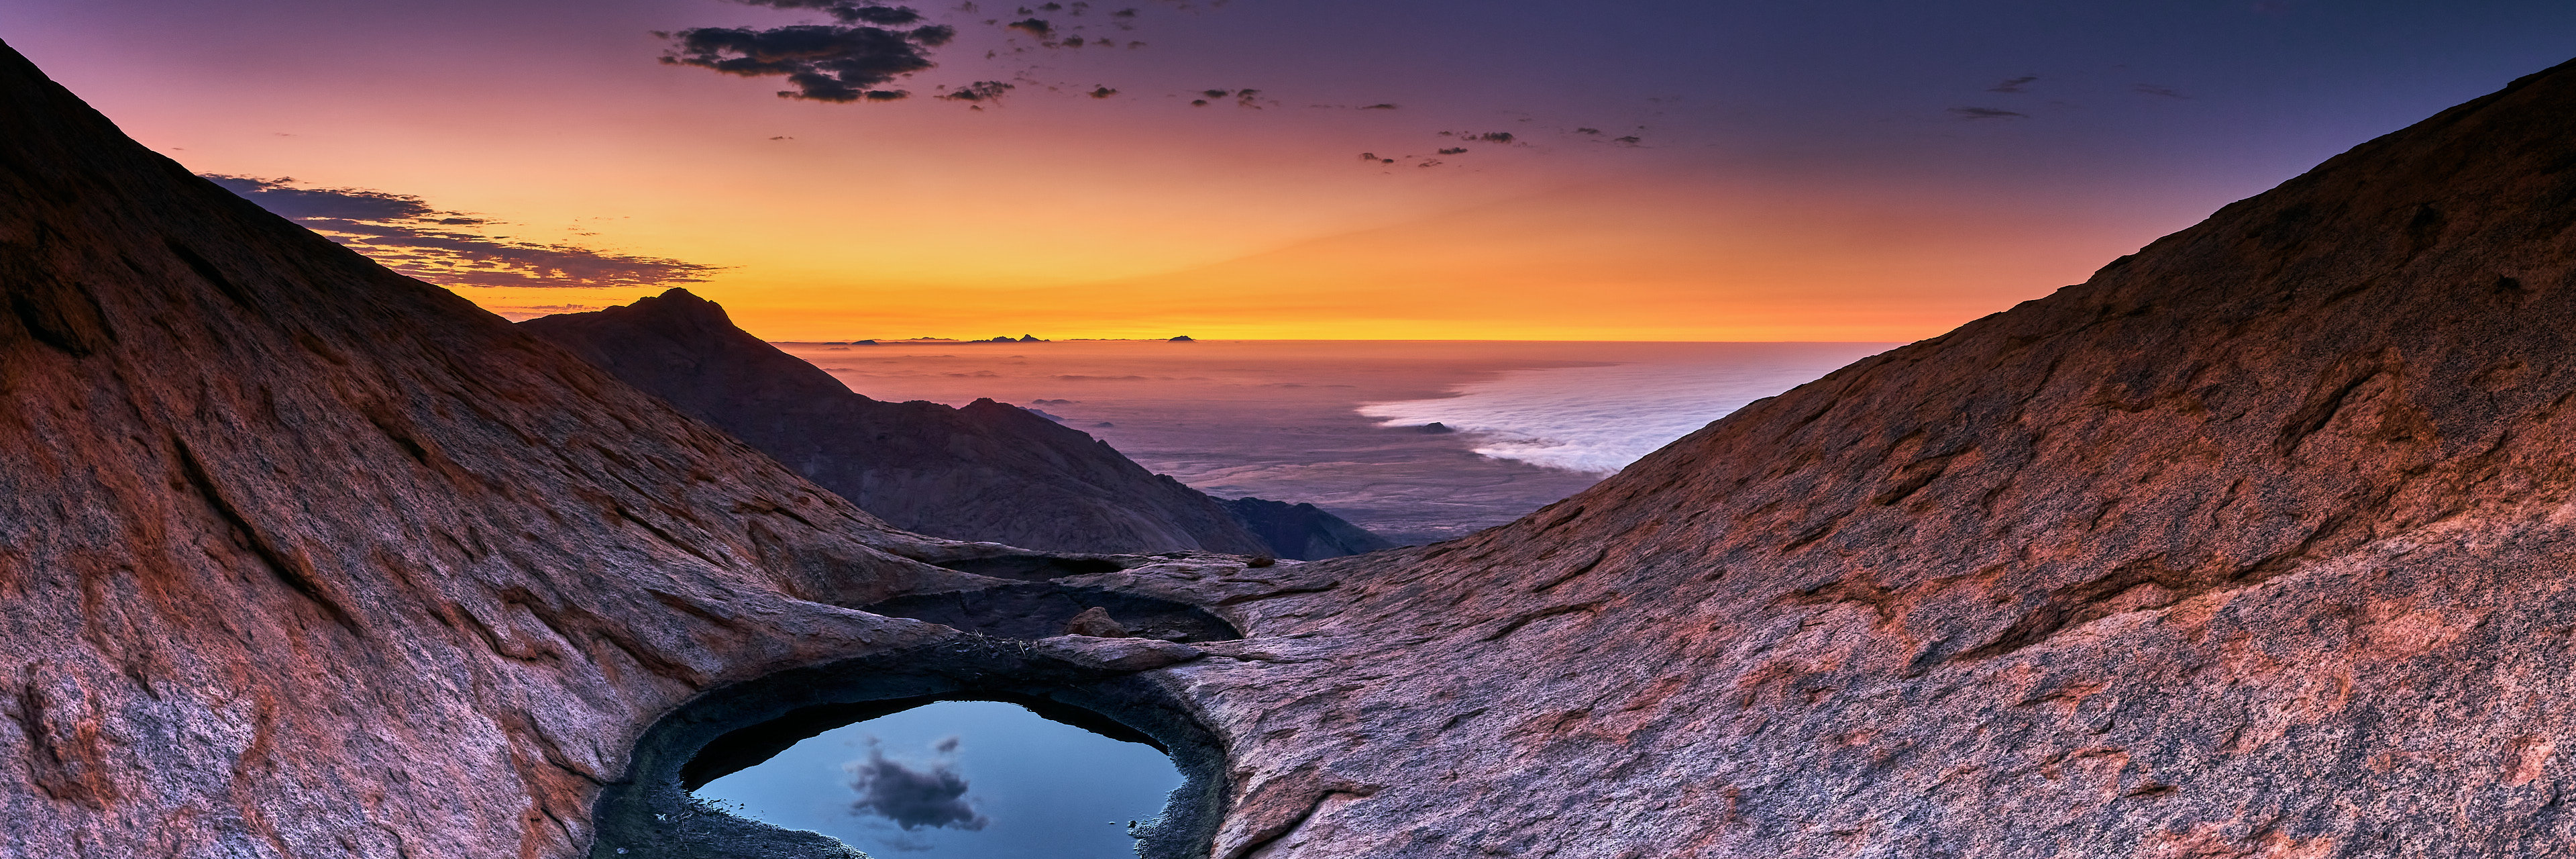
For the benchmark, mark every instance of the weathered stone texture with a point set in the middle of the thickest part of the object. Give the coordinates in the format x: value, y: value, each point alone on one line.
x: 2256, y: 544
x: 300, y: 557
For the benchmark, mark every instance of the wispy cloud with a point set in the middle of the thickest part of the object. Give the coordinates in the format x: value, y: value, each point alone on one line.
x: 2152, y: 89
x: 525, y: 312
x: 1976, y: 113
x: 2013, y: 84
x: 846, y: 11
x: 407, y: 235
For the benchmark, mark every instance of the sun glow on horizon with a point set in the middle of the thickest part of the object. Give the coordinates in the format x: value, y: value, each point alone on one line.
x: 1378, y: 171
x: 1758, y: 261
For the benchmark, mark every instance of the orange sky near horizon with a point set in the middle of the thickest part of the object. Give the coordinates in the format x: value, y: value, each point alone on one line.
x: 1763, y: 260
x: 1868, y: 172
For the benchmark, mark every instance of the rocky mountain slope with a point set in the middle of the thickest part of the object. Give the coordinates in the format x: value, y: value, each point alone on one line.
x: 303, y: 558
x: 1304, y: 531
x: 987, y: 471
x: 2256, y: 544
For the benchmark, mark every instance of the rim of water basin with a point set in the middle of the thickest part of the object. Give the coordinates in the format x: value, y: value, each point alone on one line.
x: 652, y: 814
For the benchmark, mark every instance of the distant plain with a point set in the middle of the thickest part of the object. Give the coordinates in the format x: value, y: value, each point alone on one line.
x: 1284, y: 419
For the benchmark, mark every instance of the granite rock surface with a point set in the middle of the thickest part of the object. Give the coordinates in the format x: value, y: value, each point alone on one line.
x: 2257, y: 544
x: 303, y: 558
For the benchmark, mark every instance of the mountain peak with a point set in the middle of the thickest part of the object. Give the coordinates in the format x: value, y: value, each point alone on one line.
x: 268, y: 509
x: 988, y: 471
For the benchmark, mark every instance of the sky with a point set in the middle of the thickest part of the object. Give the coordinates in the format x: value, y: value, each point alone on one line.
x: 1837, y: 170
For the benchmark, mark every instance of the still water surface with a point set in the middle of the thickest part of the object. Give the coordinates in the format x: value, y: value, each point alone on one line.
x: 959, y: 779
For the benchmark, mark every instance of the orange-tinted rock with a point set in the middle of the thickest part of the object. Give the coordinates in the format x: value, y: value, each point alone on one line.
x: 2257, y: 544
x: 303, y: 558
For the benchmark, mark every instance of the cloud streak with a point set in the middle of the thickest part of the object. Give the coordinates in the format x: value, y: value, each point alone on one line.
x: 407, y: 235
x: 2013, y: 84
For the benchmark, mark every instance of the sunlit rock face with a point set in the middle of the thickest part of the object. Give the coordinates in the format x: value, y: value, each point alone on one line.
x: 304, y: 558
x: 989, y: 471
x: 2256, y: 544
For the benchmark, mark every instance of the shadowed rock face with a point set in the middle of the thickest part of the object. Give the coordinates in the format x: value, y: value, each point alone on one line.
x: 988, y: 471
x: 303, y: 558
x: 1304, y: 531
x: 2257, y: 544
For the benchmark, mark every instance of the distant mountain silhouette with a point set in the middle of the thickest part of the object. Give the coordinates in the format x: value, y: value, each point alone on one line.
x: 2255, y: 544
x: 989, y: 471
x: 1304, y: 530
x: 289, y: 541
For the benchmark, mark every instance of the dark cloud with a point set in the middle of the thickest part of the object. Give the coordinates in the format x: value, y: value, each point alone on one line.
x: 1242, y: 97
x: 824, y: 62
x: 405, y: 234
x: 333, y: 203
x: 931, y: 797
x: 889, y: 16
x: 1378, y: 106
x: 979, y: 91
x: 1494, y: 137
x: 1454, y: 150
x: 848, y: 12
x: 1974, y: 113
x: 1103, y: 92
x: 872, y: 44
x: 2013, y: 84
x: 2151, y: 89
